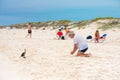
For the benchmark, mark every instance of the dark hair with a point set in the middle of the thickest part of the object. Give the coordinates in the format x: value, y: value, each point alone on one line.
x: 59, y: 29
x: 97, y: 31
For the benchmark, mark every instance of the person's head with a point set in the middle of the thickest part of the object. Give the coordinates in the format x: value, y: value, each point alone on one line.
x: 28, y: 23
x: 59, y: 29
x: 71, y: 34
x: 97, y: 31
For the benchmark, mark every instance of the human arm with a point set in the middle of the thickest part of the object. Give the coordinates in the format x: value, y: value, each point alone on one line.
x: 74, y: 49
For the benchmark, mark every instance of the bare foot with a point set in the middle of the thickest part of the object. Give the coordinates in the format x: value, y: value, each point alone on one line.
x: 85, y: 55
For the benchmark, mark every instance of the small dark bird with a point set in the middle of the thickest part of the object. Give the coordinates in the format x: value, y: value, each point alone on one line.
x: 23, y: 54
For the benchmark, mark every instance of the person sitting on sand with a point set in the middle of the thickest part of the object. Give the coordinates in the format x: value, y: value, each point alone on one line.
x: 97, y: 36
x: 29, y: 30
x: 67, y: 31
x: 103, y: 36
x: 60, y: 34
x: 80, y: 44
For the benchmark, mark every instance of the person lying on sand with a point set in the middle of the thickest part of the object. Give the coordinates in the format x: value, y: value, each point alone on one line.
x: 80, y: 44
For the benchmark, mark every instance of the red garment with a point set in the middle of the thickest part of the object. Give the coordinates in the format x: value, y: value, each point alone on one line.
x: 59, y: 33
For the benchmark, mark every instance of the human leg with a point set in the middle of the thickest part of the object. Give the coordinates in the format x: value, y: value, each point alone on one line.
x: 96, y: 40
x: 30, y: 35
x: 81, y: 53
x: 27, y: 35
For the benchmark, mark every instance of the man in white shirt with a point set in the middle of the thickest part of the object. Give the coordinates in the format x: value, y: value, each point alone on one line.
x: 80, y: 44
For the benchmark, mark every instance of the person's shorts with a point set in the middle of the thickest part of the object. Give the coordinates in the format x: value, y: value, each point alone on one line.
x: 62, y: 37
x: 84, y: 50
x: 29, y: 31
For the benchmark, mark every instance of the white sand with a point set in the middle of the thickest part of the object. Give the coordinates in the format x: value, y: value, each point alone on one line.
x: 49, y: 59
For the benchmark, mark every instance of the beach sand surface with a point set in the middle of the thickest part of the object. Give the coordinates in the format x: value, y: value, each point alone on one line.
x: 50, y: 59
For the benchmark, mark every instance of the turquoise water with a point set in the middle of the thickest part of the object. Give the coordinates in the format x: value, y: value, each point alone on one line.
x: 18, y: 11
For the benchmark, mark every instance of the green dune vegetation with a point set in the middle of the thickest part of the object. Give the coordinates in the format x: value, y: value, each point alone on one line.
x: 103, y: 23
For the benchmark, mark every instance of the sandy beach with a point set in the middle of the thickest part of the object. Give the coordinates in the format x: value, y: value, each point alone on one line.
x: 50, y: 59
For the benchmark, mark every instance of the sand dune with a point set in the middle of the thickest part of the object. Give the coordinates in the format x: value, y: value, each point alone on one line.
x: 50, y: 59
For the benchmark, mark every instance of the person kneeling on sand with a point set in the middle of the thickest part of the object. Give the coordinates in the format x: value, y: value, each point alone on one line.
x: 80, y: 44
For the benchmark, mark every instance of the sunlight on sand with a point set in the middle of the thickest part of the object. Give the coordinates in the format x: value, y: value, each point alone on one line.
x: 49, y: 59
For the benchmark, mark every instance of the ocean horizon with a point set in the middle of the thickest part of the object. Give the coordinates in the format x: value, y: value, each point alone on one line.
x: 15, y: 12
